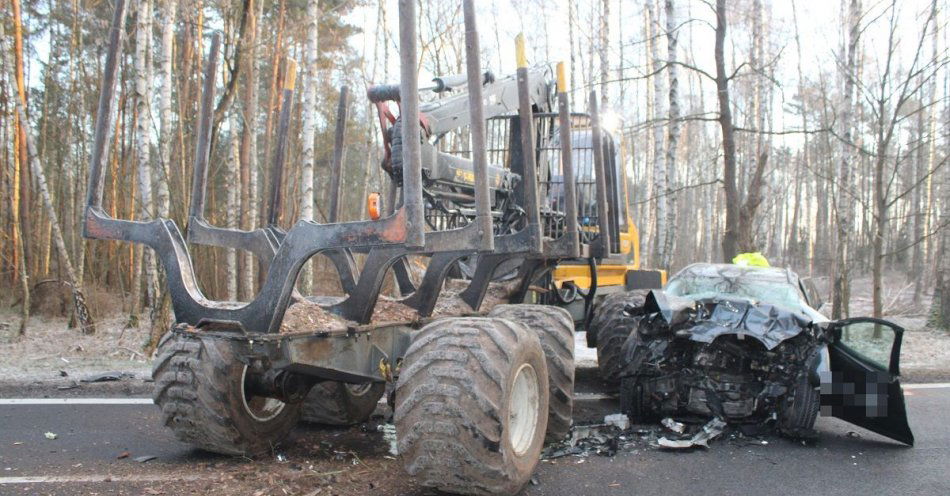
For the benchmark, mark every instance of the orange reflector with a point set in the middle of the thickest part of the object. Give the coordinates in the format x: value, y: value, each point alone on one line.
x: 372, y: 205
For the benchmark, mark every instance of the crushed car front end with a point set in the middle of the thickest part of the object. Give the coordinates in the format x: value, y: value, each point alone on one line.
x: 751, y: 364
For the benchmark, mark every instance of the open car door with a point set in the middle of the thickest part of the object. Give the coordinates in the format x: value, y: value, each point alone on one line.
x: 865, y: 389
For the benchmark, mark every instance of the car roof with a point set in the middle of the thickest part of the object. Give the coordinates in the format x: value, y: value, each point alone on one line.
x: 732, y: 271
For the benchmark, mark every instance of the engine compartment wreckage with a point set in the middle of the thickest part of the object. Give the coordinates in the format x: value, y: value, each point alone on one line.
x: 746, y: 347
x: 730, y: 359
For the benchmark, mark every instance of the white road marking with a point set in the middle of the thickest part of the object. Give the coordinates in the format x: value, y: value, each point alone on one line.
x: 76, y: 401
x: 97, y: 478
x: 148, y: 401
x: 935, y: 385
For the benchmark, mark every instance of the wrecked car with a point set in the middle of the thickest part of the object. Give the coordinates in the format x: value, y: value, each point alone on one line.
x: 747, y: 345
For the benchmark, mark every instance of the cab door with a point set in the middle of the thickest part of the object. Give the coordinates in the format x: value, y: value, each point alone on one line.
x: 865, y: 387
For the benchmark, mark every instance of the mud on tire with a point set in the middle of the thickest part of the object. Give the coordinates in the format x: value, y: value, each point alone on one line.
x: 339, y: 403
x: 555, y: 329
x: 199, y: 385
x: 612, y: 304
x: 471, y: 405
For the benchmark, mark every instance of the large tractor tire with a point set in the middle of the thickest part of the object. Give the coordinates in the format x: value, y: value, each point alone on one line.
x: 614, y: 325
x: 339, y: 403
x: 471, y: 405
x: 612, y: 304
x: 199, y: 385
x: 555, y: 329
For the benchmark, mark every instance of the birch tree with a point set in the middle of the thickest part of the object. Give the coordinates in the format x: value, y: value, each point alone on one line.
x: 164, y: 104
x: 660, y: 171
x: 145, y: 270
x: 233, y: 205
x: 672, y: 35
x: 308, y: 133
x: 844, y: 209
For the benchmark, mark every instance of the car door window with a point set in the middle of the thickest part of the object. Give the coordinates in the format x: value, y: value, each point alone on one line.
x: 872, y: 341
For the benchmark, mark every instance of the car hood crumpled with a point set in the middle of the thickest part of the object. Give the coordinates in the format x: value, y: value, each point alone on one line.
x: 706, y: 319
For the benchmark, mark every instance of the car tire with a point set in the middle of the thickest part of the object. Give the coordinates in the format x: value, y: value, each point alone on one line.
x: 799, y: 409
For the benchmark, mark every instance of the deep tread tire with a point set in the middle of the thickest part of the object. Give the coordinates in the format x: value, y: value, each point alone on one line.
x: 199, y: 387
x: 612, y: 304
x: 555, y: 329
x: 614, y: 326
x: 338, y: 403
x: 453, y: 395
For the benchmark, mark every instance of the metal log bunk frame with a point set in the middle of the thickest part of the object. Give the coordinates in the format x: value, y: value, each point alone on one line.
x: 352, y: 354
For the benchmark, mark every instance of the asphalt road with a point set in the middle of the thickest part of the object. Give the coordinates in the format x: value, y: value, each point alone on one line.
x: 87, y: 458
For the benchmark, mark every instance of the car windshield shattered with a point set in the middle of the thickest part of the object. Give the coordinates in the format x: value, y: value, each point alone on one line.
x: 704, y: 281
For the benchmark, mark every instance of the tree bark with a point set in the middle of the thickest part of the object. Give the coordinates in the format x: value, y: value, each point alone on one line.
x: 730, y: 238
x: 164, y: 104
x: 21, y: 175
x: 143, y: 144
x: 308, y: 133
x: 672, y: 37
x: 660, y: 171
x: 843, y: 200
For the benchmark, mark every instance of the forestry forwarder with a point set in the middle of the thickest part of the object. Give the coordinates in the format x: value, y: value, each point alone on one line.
x: 475, y: 396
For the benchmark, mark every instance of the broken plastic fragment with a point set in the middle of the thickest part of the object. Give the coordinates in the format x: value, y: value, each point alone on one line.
x: 673, y: 425
x: 50, y: 436
x: 389, y: 435
x: 619, y: 420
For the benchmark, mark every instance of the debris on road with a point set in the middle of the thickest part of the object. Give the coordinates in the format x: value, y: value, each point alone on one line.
x: 145, y: 458
x: 389, y: 435
x: 710, y: 431
x: 124, y: 454
x: 51, y: 436
x: 107, y: 377
x: 669, y: 423
x: 618, y: 420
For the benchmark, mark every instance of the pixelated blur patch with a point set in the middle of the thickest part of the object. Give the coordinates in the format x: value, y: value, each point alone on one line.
x: 849, y: 394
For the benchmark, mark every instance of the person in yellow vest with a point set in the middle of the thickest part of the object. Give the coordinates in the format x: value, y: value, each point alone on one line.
x: 754, y: 259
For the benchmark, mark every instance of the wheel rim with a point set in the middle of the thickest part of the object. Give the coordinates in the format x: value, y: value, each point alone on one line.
x: 523, y: 405
x: 259, y: 408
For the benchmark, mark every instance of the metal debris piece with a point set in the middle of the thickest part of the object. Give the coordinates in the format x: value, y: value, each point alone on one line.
x: 145, y: 458
x: 710, y: 431
x: 677, y: 427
